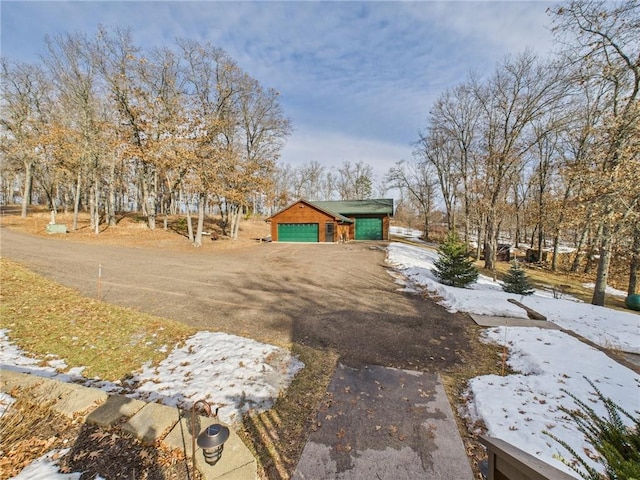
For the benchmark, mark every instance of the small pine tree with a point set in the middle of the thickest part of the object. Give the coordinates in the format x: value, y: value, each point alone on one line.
x: 454, y: 267
x: 516, y: 281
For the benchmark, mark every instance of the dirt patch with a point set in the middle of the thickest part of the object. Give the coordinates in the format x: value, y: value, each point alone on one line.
x: 132, y: 230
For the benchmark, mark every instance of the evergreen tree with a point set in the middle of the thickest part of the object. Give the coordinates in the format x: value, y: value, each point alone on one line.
x: 617, y: 443
x: 454, y: 267
x: 516, y: 281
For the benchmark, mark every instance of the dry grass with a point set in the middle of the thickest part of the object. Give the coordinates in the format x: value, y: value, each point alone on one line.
x: 47, y: 319
x: 278, y: 435
x: 28, y: 430
x: 132, y: 230
x: 481, y: 359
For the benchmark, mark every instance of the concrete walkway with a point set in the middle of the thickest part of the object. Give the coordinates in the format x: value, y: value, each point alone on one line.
x: 148, y: 422
x: 380, y: 423
x: 491, y: 321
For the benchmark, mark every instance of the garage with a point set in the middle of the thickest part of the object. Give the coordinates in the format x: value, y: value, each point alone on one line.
x: 298, y: 232
x: 368, y: 229
x: 332, y: 221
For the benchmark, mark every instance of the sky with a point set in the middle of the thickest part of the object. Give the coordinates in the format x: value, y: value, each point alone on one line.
x: 357, y: 79
x: 516, y: 407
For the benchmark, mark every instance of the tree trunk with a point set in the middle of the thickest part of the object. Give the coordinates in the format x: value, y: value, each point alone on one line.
x: 425, y: 220
x: 149, y: 192
x: 554, y: 260
x: 224, y: 216
x: 76, y: 201
x: 603, y: 266
x: 189, y: 222
x: 576, y: 259
x: 490, y: 244
x: 111, y: 208
x: 202, y: 197
x: 540, y: 242
x: 634, y: 266
x: 28, y: 185
x: 480, y: 240
x: 235, y: 214
x: 94, y: 204
x: 467, y: 219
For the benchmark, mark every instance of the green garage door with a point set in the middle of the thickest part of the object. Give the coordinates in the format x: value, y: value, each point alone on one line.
x: 297, y: 232
x: 368, y: 229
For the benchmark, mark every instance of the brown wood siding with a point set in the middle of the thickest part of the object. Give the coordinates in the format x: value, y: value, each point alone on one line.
x: 302, y: 213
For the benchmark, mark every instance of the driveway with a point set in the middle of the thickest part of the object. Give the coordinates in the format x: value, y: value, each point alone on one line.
x: 330, y: 296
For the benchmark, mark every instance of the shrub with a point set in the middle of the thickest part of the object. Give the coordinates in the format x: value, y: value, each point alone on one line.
x: 516, y: 281
x: 454, y: 267
x: 617, y: 444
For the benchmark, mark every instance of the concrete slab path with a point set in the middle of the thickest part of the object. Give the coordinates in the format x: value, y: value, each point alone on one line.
x: 491, y: 321
x: 149, y: 422
x: 379, y: 423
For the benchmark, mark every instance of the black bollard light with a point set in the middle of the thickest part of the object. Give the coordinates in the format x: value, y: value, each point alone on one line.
x: 211, y: 441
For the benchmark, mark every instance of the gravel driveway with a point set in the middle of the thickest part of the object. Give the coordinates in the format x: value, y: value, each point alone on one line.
x: 338, y: 297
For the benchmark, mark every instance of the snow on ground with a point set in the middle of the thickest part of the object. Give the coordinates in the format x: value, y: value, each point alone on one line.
x: 518, y: 408
x: 609, y: 290
x: 235, y: 373
x: 238, y: 373
x: 46, y: 468
x: 405, y: 232
x: 606, y: 327
x: 5, y: 402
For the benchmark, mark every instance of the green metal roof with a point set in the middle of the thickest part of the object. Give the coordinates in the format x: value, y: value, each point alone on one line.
x: 381, y: 206
x: 329, y: 212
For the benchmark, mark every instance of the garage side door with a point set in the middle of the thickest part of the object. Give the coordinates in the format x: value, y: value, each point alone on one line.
x: 297, y: 232
x: 368, y: 229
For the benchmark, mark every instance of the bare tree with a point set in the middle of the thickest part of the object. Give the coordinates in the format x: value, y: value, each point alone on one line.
x: 355, y: 182
x: 419, y: 181
x: 602, y: 39
x: 25, y: 91
x: 72, y: 69
x: 455, y: 115
x: 440, y: 150
x: 520, y: 91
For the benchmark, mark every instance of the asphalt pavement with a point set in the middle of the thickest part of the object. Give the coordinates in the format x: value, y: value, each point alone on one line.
x: 379, y: 423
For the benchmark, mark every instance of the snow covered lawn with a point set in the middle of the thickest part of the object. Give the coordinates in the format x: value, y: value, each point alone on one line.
x: 518, y: 408
x: 603, y: 326
x: 235, y: 373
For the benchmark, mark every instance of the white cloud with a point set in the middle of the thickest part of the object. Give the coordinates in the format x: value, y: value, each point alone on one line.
x: 332, y: 148
x: 356, y: 78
